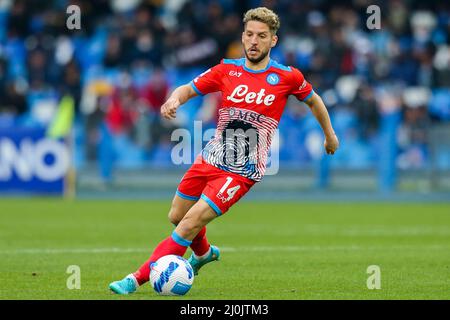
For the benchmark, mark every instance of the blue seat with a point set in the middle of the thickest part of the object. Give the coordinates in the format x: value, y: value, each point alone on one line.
x: 439, y: 105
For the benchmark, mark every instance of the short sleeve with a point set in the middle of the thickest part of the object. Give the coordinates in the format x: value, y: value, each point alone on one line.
x: 209, y: 81
x: 301, y: 89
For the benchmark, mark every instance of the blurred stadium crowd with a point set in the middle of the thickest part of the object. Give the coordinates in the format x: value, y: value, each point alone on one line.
x: 129, y: 54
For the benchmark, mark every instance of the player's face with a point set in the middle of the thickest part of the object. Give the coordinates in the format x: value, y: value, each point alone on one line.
x: 257, y: 41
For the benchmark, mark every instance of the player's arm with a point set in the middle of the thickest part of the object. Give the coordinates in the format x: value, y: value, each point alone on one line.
x: 178, y: 97
x: 320, y: 112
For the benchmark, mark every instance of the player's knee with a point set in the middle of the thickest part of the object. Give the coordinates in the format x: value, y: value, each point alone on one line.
x: 174, y: 216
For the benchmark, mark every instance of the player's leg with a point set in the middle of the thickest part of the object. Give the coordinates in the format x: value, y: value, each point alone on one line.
x: 188, y: 193
x: 187, y: 229
x: 222, y: 191
x: 180, y: 206
x: 178, y: 209
x: 190, y: 189
x: 195, y: 219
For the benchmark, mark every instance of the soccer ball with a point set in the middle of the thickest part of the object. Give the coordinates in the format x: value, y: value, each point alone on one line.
x: 171, y: 275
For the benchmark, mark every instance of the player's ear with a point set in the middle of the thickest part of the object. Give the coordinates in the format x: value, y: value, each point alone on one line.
x: 274, y: 41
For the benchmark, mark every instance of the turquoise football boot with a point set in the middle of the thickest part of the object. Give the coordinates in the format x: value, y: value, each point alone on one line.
x: 125, y: 286
x: 198, y: 263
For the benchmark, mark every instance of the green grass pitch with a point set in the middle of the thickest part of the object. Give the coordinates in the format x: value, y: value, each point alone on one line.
x: 269, y: 250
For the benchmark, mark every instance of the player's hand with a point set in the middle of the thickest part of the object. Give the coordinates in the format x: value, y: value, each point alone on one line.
x: 169, y: 108
x: 331, y: 144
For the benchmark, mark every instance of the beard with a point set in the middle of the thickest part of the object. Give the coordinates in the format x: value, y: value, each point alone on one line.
x: 257, y: 59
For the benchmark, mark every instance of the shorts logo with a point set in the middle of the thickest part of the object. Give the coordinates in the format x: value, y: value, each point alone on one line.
x: 273, y: 79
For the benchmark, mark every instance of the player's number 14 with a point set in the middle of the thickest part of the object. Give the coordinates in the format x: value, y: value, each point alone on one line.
x: 231, y: 191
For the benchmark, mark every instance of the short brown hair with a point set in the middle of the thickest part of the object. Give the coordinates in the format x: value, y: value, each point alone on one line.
x: 264, y: 15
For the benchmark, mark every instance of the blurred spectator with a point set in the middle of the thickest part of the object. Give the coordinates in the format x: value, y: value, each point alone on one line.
x: 12, y: 99
x: 413, y: 138
x: 38, y: 73
x: 19, y: 19
x: 71, y: 82
x: 113, y: 53
x: 155, y: 94
x: 366, y: 111
x: 122, y: 112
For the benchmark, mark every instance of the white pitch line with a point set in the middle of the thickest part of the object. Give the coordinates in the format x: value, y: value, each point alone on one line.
x: 225, y: 249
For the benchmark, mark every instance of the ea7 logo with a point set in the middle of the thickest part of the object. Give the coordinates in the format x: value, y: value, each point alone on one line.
x: 235, y: 73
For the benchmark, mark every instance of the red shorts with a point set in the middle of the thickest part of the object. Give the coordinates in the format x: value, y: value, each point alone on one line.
x: 219, y: 188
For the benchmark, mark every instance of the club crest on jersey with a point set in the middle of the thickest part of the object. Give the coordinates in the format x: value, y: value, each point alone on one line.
x: 273, y: 79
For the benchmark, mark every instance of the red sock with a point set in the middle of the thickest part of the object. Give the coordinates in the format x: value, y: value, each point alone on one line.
x: 200, y: 244
x: 171, y: 245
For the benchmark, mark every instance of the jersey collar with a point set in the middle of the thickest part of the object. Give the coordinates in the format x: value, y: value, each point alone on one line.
x: 258, y: 71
